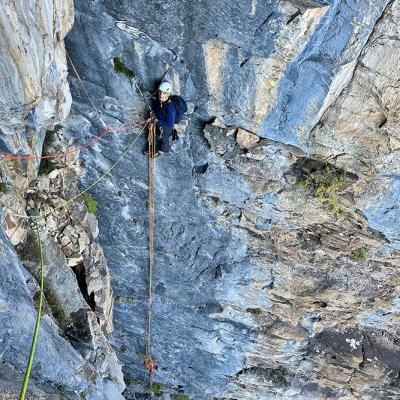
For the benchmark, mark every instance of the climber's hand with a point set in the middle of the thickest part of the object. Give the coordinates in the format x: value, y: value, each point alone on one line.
x: 152, y: 120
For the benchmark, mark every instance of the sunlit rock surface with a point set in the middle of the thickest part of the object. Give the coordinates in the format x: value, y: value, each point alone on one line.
x: 276, y: 244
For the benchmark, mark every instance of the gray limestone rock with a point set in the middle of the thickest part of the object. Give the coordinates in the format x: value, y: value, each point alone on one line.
x: 251, y: 263
x: 275, y: 261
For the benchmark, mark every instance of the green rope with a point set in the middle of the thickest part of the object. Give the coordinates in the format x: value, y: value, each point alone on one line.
x: 46, y: 213
x: 39, y: 312
x: 43, y: 215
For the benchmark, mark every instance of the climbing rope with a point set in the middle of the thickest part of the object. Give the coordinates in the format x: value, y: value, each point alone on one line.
x: 51, y: 210
x: 43, y: 215
x: 37, y: 324
x: 84, y: 89
x: 73, y: 150
x: 149, y: 363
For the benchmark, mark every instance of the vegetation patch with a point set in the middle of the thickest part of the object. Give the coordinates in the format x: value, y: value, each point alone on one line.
x: 91, y: 203
x: 257, y: 311
x: 361, y: 254
x: 181, y: 397
x: 83, y: 394
x: 3, y: 188
x: 121, y: 68
x: 130, y: 381
x: 62, y: 389
x: 325, y: 184
x: 122, y: 299
x: 157, y: 389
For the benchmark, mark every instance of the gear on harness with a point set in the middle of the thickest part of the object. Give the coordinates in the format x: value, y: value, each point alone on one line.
x: 174, y: 135
x: 150, y: 364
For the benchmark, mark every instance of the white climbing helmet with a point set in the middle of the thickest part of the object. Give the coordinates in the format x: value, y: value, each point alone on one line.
x: 165, y: 87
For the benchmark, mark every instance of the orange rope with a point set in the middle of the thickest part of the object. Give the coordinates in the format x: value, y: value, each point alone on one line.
x: 148, y: 361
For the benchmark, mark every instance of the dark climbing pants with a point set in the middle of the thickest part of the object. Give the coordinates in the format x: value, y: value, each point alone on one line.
x: 162, y: 139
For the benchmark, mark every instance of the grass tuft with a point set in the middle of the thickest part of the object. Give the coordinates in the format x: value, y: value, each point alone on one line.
x: 360, y: 254
x: 325, y: 184
x: 122, y: 299
x: 121, y: 68
x: 157, y: 389
x: 91, y: 203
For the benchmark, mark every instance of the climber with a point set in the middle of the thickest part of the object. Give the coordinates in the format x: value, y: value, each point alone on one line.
x: 167, y: 111
x: 163, y: 115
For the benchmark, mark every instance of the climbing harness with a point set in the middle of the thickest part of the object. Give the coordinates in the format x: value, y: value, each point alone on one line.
x: 149, y: 363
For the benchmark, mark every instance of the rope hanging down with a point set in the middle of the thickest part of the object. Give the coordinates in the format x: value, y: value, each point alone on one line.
x: 84, y: 89
x: 37, y: 324
x: 149, y: 363
x: 43, y: 215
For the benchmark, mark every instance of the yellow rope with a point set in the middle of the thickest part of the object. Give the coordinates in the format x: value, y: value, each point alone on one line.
x: 71, y: 200
x: 39, y: 312
x: 43, y: 215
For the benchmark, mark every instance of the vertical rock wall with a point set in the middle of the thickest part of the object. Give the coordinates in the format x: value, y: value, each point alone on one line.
x: 73, y: 358
x: 271, y: 278
x: 276, y: 249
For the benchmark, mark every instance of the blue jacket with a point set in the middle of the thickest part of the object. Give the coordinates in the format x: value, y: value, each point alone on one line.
x: 165, y: 114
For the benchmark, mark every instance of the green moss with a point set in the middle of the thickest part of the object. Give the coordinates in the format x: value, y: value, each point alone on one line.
x: 59, y: 314
x: 130, y: 382
x: 91, y: 203
x: 157, y: 389
x: 3, y: 187
x: 121, y: 68
x: 182, y: 397
x: 122, y: 299
x: 62, y: 389
x: 324, y: 184
x: 360, y: 254
x: 257, y: 311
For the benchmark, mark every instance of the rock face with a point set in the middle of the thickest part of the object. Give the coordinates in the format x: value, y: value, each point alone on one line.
x: 56, y: 361
x: 73, y: 357
x: 276, y: 246
x: 34, y: 89
x: 271, y: 278
x: 34, y: 92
